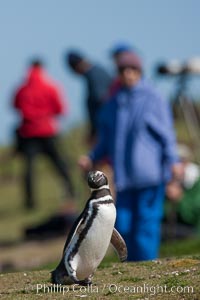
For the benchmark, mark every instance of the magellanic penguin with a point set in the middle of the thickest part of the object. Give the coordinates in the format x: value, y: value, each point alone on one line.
x: 90, y: 236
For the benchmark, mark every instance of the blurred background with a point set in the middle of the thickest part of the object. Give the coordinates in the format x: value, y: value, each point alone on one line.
x: 166, y: 37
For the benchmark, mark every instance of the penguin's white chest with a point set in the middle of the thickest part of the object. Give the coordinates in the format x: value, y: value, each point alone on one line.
x: 95, y: 243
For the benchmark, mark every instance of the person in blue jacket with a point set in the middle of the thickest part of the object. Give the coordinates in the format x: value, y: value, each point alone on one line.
x: 136, y: 133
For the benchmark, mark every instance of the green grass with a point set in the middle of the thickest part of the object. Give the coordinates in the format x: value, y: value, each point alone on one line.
x: 182, y: 247
x: 163, y: 281
x: 49, y: 187
x: 14, y: 218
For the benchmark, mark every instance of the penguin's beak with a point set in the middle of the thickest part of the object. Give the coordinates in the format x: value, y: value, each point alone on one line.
x: 95, y: 178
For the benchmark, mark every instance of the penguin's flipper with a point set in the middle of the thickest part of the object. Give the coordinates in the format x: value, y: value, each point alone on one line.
x: 73, y: 231
x: 119, y: 245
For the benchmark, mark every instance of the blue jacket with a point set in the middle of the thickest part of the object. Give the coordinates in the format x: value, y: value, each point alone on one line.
x: 136, y: 132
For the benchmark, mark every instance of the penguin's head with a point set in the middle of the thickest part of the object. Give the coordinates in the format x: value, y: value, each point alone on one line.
x: 96, y: 179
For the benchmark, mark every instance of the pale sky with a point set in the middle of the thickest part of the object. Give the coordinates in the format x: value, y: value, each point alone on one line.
x: 161, y: 30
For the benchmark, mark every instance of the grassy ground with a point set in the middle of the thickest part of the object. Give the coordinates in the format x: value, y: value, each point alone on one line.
x: 13, y: 216
x: 42, y: 256
x: 161, y: 279
x: 49, y: 187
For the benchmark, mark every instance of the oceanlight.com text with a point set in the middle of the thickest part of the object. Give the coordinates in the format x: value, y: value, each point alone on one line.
x: 113, y: 288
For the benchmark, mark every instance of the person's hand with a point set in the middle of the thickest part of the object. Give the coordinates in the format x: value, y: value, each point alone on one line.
x: 174, y: 191
x: 178, y: 171
x: 85, y: 163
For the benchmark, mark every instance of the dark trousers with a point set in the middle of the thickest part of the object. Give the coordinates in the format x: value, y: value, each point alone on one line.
x: 30, y: 148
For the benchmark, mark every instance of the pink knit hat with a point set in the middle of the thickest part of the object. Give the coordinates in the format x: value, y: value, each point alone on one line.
x: 129, y: 59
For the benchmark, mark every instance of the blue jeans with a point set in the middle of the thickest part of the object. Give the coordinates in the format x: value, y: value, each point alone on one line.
x: 139, y: 214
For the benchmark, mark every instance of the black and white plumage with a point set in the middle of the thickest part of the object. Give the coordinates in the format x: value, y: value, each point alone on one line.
x: 90, y: 236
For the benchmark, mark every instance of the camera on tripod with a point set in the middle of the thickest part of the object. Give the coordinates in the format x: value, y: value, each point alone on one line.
x: 175, y: 67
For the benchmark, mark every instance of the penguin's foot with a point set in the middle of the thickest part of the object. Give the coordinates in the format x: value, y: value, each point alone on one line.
x: 60, y: 277
x: 88, y: 281
x: 84, y: 282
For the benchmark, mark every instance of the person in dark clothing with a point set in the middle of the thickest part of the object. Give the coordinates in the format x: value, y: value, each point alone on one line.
x: 97, y: 80
x: 39, y: 102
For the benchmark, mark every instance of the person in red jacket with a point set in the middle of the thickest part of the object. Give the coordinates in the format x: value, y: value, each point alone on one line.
x: 39, y: 103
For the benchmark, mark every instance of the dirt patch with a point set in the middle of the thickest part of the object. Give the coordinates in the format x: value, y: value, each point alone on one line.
x: 32, y: 254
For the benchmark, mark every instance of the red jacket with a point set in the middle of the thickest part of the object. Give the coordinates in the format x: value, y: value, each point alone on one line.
x: 39, y: 102
x: 114, y: 87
